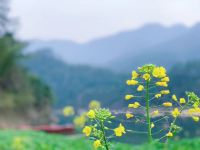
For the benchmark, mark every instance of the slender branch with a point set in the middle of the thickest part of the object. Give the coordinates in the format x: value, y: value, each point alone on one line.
x: 147, y: 113
x: 139, y: 132
x: 165, y: 117
x: 174, y: 121
x: 104, y: 136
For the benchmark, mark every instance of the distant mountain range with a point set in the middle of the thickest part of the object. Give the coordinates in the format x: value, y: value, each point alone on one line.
x: 151, y: 43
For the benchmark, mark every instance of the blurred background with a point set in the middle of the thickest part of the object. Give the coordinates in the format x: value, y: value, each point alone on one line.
x: 59, y: 53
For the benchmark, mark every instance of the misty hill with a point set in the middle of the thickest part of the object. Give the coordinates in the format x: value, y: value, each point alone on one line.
x: 105, y: 51
x: 180, y: 49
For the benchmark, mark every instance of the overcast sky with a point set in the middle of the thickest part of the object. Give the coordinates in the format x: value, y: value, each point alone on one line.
x: 84, y: 20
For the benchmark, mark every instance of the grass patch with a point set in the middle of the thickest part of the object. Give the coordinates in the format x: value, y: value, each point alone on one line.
x: 30, y: 140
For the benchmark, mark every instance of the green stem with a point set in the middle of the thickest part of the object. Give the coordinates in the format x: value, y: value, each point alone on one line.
x: 104, y: 136
x: 148, y: 119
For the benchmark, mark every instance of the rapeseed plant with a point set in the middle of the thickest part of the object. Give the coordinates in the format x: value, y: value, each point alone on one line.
x: 150, y: 83
x: 98, y: 130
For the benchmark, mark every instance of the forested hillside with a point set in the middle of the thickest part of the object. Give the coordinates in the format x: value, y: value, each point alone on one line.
x: 24, y: 98
x: 22, y: 95
x: 77, y: 84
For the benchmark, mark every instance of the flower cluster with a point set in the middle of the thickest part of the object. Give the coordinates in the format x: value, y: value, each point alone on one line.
x: 194, y: 100
x: 150, y: 83
x: 98, y: 129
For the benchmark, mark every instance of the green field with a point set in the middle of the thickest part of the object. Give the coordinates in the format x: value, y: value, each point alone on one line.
x: 29, y: 140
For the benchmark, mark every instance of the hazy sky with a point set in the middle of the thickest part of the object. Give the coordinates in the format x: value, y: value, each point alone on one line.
x: 83, y: 20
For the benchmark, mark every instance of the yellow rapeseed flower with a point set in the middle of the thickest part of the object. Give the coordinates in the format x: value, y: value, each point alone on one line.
x: 79, y: 121
x: 182, y: 101
x: 131, y: 82
x: 155, y: 112
x: 120, y: 130
x: 195, y: 118
x: 165, y: 92
x: 167, y: 104
x: 175, y: 112
x: 159, y: 72
x: 165, y: 79
x: 87, y: 130
x: 97, y: 144
x: 134, y: 105
x: 174, y: 97
x: 195, y: 110
x: 146, y: 76
x: 94, y: 104
x: 68, y: 111
x: 128, y: 97
x: 134, y: 75
x: 129, y: 115
x: 140, y: 88
x: 164, y: 84
x: 169, y: 134
x: 91, y: 114
x: 158, y: 95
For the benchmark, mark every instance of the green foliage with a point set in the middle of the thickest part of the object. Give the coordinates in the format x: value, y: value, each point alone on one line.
x: 29, y: 140
x: 42, y: 92
x: 9, y: 54
x: 20, y: 92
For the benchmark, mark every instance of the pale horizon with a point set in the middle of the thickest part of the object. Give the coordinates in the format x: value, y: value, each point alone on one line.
x: 83, y: 21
